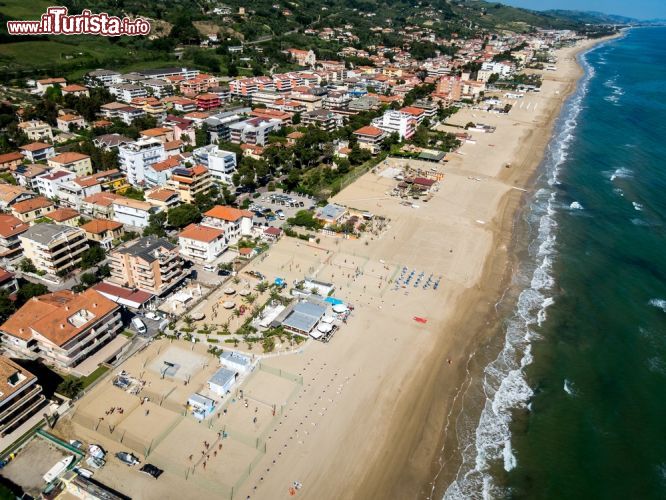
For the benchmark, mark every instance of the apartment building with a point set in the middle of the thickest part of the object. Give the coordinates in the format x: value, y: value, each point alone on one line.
x: 190, y: 182
x: 52, y: 248
x: 221, y: 164
x: 62, y: 328
x: 125, y: 92
x: 99, y: 204
x: 102, y: 77
x: 10, y: 229
x: 235, y: 222
x: 208, y: 101
x: 132, y: 212
x: 47, y: 185
x: 158, y: 87
x: 253, y: 131
x: 202, y: 243
x: 20, y: 395
x: 150, y: 264
x: 322, y: 119
x: 75, y: 90
x: 370, y: 138
x: 135, y: 157
x: 401, y: 123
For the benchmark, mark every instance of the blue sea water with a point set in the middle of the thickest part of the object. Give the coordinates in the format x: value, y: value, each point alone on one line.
x: 575, y: 404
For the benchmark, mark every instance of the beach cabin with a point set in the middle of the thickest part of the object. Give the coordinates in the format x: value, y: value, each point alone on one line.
x: 322, y: 288
x: 222, y: 381
x: 236, y: 361
x: 200, y: 406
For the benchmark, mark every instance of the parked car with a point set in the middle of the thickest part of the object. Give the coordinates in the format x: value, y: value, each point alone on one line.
x: 151, y: 470
x: 127, y: 458
x: 139, y: 325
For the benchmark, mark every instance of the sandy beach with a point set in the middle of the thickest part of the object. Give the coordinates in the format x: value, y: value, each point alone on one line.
x: 371, y: 420
x: 365, y: 415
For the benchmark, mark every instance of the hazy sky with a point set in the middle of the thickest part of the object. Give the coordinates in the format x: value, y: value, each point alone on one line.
x: 641, y: 9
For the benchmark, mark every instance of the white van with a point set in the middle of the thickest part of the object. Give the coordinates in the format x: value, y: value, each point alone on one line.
x: 210, y: 268
x: 139, y: 325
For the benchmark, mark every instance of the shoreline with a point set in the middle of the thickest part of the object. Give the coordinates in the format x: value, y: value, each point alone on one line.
x: 431, y: 442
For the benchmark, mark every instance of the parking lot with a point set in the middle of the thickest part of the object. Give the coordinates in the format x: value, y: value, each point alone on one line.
x: 271, y: 204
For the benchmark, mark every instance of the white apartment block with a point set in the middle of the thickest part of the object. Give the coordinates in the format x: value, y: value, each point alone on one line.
x: 134, y: 158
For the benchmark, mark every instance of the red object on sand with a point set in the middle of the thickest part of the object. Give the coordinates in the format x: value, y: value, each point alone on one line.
x: 418, y: 319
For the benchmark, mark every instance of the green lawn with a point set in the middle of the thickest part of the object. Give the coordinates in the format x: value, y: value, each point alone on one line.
x: 101, y: 370
x: 24, y: 9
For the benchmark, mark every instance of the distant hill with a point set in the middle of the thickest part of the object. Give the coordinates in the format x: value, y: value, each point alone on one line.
x: 591, y: 17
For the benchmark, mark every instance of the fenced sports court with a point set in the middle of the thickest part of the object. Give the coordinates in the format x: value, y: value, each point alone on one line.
x: 153, y: 423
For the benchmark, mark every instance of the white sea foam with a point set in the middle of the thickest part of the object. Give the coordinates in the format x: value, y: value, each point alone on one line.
x: 622, y: 173
x: 659, y: 303
x: 504, y: 383
x: 619, y: 192
x: 569, y: 387
x: 637, y: 206
x: 576, y: 206
x: 657, y: 365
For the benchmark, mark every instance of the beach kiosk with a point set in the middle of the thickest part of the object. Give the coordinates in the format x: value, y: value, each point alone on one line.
x: 235, y: 361
x: 200, y: 406
x: 222, y: 381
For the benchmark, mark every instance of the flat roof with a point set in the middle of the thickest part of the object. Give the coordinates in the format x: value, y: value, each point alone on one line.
x: 222, y: 376
x: 304, y: 316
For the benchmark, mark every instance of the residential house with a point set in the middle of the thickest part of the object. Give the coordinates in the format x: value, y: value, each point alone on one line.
x: 103, y: 77
x: 103, y: 232
x: 37, y: 151
x: 133, y: 212
x: 26, y: 174
x: 47, y: 83
x: 8, y: 282
x: 208, y: 101
x: 202, y: 243
x: 53, y: 248
x: 163, y: 198
x: 65, y: 216
x: 36, y: 130
x: 9, y: 161
x: 111, y: 142
x: 151, y: 264
x: 75, y: 90
x: 68, y: 122
x: 77, y: 163
x: 235, y: 222
x: 32, y: 209
x: 303, y: 57
x: 10, y: 194
x: 62, y: 328
x: 162, y: 134
x: 99, y: 205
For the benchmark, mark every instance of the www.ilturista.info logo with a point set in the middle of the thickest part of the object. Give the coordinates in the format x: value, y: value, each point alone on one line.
x: 56, y: 21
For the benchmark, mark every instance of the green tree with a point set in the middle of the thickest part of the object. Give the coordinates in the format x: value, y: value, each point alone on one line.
x: 30, y: 290
x: 92, y: 256
x: 70, y: 387
x: 27, y: 266
x: 7, y: 306
x: 183, y: 215
x: 156, y: 223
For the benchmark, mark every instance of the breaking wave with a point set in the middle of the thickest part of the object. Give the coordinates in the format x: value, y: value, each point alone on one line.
x: 504, y: 382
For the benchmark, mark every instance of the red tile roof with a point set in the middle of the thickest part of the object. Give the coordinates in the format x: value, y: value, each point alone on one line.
x: 230, y: 214
x: 201, y: 233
